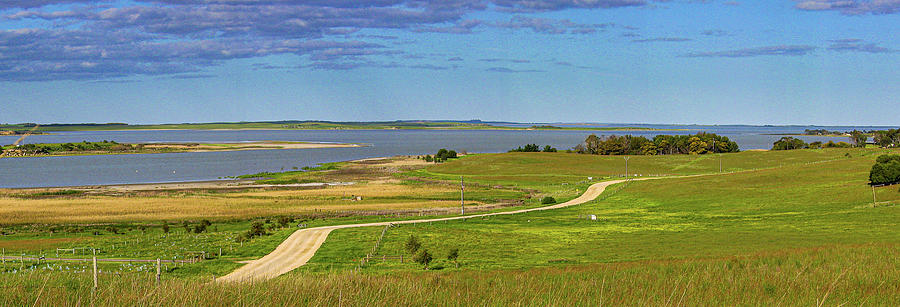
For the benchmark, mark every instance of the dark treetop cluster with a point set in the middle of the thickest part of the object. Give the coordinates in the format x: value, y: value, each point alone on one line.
x: 886, y: 170
x: 700, y: 143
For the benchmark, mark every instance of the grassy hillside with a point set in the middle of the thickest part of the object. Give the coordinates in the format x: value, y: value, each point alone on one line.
x: 789, y: 228
x: 543, y: 169
x: 798, y: 205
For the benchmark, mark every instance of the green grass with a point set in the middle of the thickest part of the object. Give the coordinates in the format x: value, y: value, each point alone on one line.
x: 833, y: 275
x: 788, y: 227
x: 798, y: 205
x: 547, y: 171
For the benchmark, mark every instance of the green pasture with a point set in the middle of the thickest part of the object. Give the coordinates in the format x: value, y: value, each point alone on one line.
x: 797, y: 205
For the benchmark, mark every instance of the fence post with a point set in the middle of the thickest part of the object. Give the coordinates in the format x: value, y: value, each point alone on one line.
x: 157, y: 270
x: 95, y: 272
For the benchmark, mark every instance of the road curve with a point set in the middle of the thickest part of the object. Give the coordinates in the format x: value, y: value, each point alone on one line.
x: 297, y: 249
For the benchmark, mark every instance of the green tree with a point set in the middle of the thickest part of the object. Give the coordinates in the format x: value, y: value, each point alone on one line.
x: 423, y: 258
x: 441, y: 155
x: 649, y: 149
x: 858, y: 139
x: 453, y: 255
x: 413, y: 244
x: 548, y: 200
x: 789, y: 143
x: 697, y: 146
x: 886, y: 170
x: 256, y: 229
x: 815, y: 145
x: 283, y: 221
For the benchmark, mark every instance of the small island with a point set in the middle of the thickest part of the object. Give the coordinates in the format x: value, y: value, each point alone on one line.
x: 113, y: 147
x: 19, y: 132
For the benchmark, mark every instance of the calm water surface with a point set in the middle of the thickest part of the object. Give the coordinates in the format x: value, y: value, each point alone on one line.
x: 120, y: 169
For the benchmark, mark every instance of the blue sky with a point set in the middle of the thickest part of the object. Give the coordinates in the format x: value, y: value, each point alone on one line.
x: 828, y: 62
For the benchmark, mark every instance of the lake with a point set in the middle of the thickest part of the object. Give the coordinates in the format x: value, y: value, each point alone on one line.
x: 174, y: 167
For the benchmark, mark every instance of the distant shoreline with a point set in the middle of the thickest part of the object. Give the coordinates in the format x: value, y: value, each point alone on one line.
x: 320, y: 125
x: 157, y: 148
x: 801, y: 134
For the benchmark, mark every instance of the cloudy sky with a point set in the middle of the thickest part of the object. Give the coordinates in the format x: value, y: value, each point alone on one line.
x: 623, y: 61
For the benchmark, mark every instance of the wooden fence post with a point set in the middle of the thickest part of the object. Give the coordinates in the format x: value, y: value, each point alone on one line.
x: 157, y: 270
x: 95, y: 272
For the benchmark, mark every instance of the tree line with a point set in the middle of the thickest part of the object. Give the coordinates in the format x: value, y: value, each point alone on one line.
x: 442, y: 155
x: 821, y: 132
x: 882, y: 138
x: 700, y: 143
x: 887, y: 138
x: 791, y: 143
x: 533, y: 148
x: 72, y: 147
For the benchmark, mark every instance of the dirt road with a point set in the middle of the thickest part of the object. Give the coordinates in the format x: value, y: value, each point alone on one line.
x: 303, y: 244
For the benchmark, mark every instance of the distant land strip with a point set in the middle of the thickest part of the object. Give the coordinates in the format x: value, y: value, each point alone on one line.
x: 313, y: 125
x: 110, y: 147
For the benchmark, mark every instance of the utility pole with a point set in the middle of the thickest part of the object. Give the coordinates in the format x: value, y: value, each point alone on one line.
x: 462, y: 196
x: 626, y: 166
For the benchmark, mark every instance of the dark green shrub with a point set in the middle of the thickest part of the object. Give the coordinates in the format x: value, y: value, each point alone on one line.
x: 413, y: 244
x: 548, y: 200
x: 423, y: 258
x: 283, y: 221
x: 886, y: 170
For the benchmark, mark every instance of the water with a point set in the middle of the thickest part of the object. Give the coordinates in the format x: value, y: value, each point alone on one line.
x: 173, y: 167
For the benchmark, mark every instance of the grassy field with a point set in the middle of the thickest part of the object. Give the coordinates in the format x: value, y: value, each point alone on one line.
x: 825, y: 276
x: 544, y: 170
x: 129, y: 224
x: 781, y: 227
x: 798, y: 205
x: 20, y: 209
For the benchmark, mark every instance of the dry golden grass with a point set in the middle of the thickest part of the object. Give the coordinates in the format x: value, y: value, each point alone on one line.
x: 84, y: 209
x: 364, y: 190
x: 110, y: 209
x: 35, y: 244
